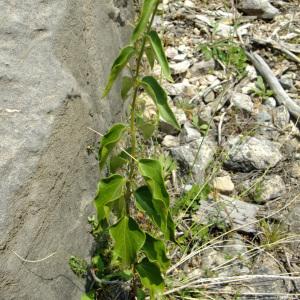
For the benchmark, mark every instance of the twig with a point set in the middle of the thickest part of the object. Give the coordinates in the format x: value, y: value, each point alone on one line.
x: 280, y: 95
x: 106, y: 282
x: 33, y: 261
x: 220, y: 128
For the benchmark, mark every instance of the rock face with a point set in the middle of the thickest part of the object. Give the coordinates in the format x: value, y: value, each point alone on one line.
x: 54, y: 57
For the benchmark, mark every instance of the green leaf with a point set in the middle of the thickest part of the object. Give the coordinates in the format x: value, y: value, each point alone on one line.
x: 260, y: 83
x: 151, y: 170
x: 151, y: 278
x: 140, y: 294
x: 159, y: 96
x: 127, y: 84
x: 155, y: 209
x: 160, y: 54
x: 155, y: 200
x: 150, y: 56
x: 109, y: 189
x: 118, y: 161
x: 129, y: 239
x: 170, y: 230
x: 88, y: 296
x: 146, y: 127
x: 119, y: 64
x: 147, y: 10
x: 156, y: 252
x: 109, y: 141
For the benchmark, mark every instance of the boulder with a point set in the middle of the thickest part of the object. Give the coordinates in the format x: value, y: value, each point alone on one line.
x: 55, y: 57
x: 250, y: 153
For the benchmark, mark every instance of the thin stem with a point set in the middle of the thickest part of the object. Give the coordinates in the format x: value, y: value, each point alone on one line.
x: 133, y: 111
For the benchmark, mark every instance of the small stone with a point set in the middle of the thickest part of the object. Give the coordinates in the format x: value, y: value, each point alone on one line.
x: 263, y: 117
x: 272, y: 187
x: 201, y: 68
x: 183, y: 88
x: 210, y: 97
x: 251, y: 72
x: 286, y: 82
x: 189, y: 133
x: 170, y: 141
x: 246, y: 154
x: 179, y: 68
x: 260, y: 8
x: 189, y: 4
x: 248, y: 88
x: 281, y: 116
x: 223, y: 184
x: 295, y: 170
x: 180, y: 57
x: 270, y: 102
x: 186, y: 156
x: 171, y: 52
x: 242, y: 102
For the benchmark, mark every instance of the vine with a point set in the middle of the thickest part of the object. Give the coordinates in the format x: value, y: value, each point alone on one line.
x: 140, y: 253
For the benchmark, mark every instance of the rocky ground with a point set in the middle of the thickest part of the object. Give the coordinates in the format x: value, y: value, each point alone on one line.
x: 237, y: 96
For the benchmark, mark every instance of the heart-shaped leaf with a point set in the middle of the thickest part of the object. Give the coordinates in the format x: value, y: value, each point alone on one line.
x: 109, y: 141
x: 109, y: 189
x: 147, y: 10
x: 119, y: 64
x: 160, y: 53
x: 159, y: 96
x: 128, y: 238
x: 151, y: 278
x: 155, y: 251
x: 151, y: 170
x: 127, y: 84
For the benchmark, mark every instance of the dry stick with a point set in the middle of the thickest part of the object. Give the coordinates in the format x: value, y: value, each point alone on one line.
x: 280, y: 95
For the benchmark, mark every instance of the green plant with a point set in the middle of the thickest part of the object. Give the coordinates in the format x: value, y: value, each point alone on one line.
x: 271, y: 234
x: 261, y: 90
x: 228, y: 53
x: 135, y: 185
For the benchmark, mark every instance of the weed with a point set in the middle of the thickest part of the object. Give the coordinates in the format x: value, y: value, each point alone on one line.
x: 228, y: 53
x: 261, y: 90
x: 133, y: 253
x: 78, y: 265
x: 271, y: 233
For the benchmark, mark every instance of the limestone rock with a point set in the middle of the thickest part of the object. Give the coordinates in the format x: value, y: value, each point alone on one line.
x: 179, y: 68
x: 231, y: 212
x: 170, y: 141
x: 53, y: 57
x: 242, y: 102
x: 246, y: 154
x: 272, y: 187
x: 185, y: 155
x: 223, y: 184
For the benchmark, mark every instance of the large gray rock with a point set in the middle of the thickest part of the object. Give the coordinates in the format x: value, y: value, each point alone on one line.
x: 54, y: 58
x: 246, y: 154
x: 227, y: 211
x: 260, y: 8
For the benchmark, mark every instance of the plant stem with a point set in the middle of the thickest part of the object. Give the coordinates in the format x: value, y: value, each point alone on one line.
x: 133, y: 112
